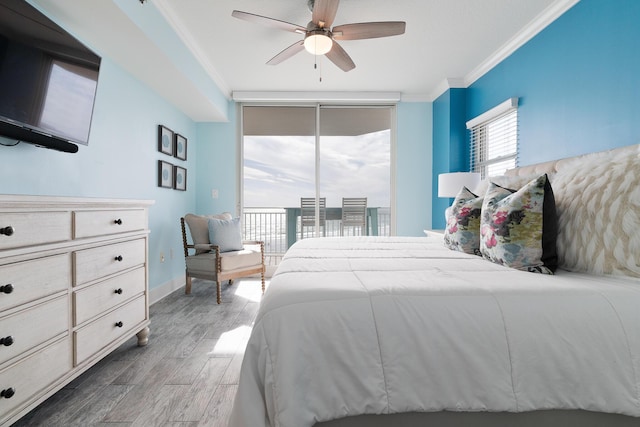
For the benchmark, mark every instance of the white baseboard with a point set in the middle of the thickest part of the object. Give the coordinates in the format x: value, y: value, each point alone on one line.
x: 159, y: 292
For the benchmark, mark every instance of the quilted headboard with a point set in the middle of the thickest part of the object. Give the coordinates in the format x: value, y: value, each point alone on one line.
x: 598, y: 206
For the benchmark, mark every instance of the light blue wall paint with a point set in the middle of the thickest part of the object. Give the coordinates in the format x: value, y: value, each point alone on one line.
x: 578, y: 83
x: 413, y: 168
x: 119, y: 162
x: 218, y: 165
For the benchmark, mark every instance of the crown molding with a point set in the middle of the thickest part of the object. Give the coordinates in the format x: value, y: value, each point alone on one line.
x: 190, y: 43
x: 539, y: 23
x: 445, y: 85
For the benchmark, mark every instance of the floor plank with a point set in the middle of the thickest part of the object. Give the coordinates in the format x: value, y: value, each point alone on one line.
x: 186, y: 376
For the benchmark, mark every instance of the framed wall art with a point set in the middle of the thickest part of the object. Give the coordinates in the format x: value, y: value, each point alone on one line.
x: 180, y: 147
x: 165, y: 140
x: 165, y: 174
x: 180, y: 178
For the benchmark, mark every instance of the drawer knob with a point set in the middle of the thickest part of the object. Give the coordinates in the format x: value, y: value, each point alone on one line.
x: 6, y: 289
x: 119, y: 324
x: 6, y: 341
x: 7, y: 393
x: 118, y: 221
x: 119, y: 291
x: 118, y: 258
x: 7, y: 231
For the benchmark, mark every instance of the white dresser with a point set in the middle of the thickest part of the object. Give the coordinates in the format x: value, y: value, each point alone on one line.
x: 73, y: 287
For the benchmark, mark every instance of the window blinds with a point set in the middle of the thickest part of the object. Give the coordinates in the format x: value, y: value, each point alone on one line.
x: 494, y: 140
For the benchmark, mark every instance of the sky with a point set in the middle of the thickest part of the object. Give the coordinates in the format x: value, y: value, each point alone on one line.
x: 279, y: 170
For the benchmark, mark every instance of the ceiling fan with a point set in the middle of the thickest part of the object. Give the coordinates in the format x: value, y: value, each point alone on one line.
x: 320, y: 38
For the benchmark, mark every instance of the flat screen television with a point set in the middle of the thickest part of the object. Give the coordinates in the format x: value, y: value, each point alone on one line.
x: 48, y: 80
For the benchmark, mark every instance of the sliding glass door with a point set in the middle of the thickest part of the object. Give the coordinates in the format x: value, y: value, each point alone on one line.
x: 355, y: 163
x: 325, y: 153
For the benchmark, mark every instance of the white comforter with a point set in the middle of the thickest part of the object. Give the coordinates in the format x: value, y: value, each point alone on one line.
x: 377, y: 325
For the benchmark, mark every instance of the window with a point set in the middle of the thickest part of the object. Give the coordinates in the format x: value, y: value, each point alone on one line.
x: 494, y: 139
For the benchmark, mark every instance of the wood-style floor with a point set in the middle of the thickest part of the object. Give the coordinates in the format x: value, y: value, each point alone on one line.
x: 186, y: 376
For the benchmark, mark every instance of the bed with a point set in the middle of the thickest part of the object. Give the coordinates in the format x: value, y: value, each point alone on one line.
x: 403, y: 331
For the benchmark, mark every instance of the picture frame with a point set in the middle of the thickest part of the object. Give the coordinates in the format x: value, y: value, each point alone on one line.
x: 180, y: 147
x: 165, y: 174
x: 180, y: 178
x: 165, y: 140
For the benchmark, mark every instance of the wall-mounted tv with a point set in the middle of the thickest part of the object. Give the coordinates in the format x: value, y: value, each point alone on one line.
x: 48, y: 80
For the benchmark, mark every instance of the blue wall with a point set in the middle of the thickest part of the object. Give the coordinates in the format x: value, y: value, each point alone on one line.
x: 218, y: 161
x: 578, y: 83
x: 450, y: 145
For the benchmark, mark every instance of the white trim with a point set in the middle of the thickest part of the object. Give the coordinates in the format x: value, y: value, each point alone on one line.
x: 285, y: 96
x: 446, y: 84
x: 503, y: 107
x: 539, y: 23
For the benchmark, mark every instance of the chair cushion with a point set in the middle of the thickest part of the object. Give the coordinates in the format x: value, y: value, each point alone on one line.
x: 226, y: 234
x: 240, y: 259
x: 199, y: 228
x: 229, y: 261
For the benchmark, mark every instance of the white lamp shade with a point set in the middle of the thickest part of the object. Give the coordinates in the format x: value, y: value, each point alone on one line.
x: 450, y: 184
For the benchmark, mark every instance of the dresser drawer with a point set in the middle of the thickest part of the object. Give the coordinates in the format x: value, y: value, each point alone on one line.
x: 100, y: 223
x: 103, y: 331
x: 93, y: 300
x: 33, y: 374
x: 29, y: 328
x: 34, y: 228
x: 91, y: 264
x: 30, y: 280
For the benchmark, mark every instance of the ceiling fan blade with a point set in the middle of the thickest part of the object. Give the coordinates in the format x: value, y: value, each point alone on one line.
x: 338, y: 56
x: 324, y: 11
x: 368, y: 30
x: 275, y: 23
x: 287, y: 53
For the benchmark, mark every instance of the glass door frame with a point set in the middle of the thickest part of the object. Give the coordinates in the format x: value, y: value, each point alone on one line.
x: 318, y: 106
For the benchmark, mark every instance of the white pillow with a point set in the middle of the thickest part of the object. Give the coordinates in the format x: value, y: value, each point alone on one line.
x: 598, y: 205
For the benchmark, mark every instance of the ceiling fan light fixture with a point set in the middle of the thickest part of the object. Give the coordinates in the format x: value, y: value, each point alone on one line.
x: 317, y: 42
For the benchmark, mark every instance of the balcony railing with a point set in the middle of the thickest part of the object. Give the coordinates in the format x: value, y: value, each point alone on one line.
x: 270, y: 226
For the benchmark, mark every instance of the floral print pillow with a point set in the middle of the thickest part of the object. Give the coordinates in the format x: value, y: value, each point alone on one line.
x: 463, y: 223
x: 519, y: 228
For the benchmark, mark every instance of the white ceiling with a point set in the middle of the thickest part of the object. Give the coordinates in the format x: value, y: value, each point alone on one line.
x: 448, y: 43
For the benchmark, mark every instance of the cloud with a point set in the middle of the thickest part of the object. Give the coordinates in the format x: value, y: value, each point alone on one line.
x: 280, y: 170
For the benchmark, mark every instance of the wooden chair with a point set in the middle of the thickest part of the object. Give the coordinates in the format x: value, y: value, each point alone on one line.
x: 308, y: 214
x: 206, y: 261
x: 354, y: 214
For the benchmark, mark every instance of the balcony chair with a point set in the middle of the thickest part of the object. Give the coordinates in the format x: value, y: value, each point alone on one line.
x: 308, y: 214
x: 218, y: 252
x: 354, y: 214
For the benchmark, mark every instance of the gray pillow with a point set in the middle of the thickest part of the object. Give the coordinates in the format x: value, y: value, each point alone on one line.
x: 226, y: 234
